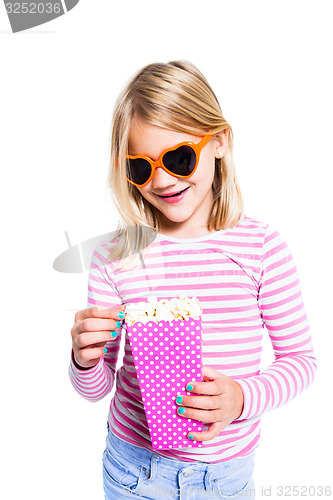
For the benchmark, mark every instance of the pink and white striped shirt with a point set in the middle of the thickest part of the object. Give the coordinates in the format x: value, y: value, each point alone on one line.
x: 247, y: 283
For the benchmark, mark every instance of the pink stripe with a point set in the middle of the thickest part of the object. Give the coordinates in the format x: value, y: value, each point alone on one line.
x: 284, y: 326
x: 283, y: 314
x: 308, y: 366
x: 102, y: 258
x: 269, y: 394
x: 227, y: 354
x: 278, y: 265
x: 282, y: 302
x: 234, y: 320
x: 232, y: 439
x: 284, y: 338
x: 258, y: 394
x: 247, y: 450
x: 272, y: 251
x: 232, y: 366
x: 292, y: 347
x: 93, y: 395
x: 281, y: 379
x: 251, y: 399
x: 96, y: 388
x: 242, y: 308
x: 217, y: 243
x: 217, y: 343
x: 248, y: 375
x: 109, y: 293
x: 231, y: 329
x: 126, y: 393
x: 282, y: 276
x: 95, y: 302
x: 281, y: 289
x: 131, y: 437
x: 184, y: 275
x: 278, y: 385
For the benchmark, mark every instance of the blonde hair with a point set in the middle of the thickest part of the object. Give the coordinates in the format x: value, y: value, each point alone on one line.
x: 176, y: 96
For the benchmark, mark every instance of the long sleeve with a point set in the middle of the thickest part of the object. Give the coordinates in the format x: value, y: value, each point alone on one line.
x: 283, y: 314
x: 95, y: 383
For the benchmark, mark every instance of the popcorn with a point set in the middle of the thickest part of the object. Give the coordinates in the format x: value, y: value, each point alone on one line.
x: 163, y: 310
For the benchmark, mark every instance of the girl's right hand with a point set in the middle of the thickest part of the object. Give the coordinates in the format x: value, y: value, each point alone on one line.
x: 92, y: 329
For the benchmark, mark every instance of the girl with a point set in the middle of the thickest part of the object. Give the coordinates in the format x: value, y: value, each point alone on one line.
x: 184, y: 231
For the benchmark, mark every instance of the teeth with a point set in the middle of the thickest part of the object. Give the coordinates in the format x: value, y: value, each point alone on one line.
x: 176, y: 194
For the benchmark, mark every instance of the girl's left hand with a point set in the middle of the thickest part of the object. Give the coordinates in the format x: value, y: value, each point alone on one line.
x: 221, y: 402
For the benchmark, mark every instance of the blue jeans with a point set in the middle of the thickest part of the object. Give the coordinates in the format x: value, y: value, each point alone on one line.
x: 133, y: 472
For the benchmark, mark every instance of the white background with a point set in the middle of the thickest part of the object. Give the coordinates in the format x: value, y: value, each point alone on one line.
x: 269, y: 64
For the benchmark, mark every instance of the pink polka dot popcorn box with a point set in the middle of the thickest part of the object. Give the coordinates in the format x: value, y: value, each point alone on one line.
x: 166, y: 342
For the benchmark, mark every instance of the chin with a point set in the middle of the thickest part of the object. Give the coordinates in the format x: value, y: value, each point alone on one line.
x: 178, y: 216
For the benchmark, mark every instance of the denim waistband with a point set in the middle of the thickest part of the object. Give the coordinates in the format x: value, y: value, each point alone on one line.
x: 142, y: 456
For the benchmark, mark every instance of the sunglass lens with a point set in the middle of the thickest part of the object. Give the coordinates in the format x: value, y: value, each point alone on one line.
x: 138, y: 170
x: 180, y: 161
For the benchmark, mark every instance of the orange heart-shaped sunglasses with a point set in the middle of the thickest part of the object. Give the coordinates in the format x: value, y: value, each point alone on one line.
x: 179, y: 161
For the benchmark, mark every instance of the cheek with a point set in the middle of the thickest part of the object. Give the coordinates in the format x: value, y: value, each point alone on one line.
x: 142, y: 191
x: 205, y: 172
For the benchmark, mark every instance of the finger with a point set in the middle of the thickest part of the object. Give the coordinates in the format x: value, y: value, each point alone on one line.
x: 100, y: 312
x: 210, y: 373
x: 86, y: 339
x: 96, y: 325
x: 89, y: 356
x: 213, y: 431
x: 201, y: 402
x: 214, y: 387
x: 207, y: 416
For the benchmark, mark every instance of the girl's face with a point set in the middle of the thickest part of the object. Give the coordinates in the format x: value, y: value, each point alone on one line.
x: 187, y: 215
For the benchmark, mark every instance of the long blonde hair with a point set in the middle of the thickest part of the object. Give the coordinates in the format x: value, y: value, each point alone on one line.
x: 176, y: 96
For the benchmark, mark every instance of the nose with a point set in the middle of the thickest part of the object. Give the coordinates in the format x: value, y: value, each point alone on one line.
x: 161, y: 179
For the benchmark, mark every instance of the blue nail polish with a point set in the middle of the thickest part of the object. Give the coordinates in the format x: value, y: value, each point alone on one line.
x: 190, y: 436
x: 114, y: 334
x: 118, y: 324
x: 121, y: 315
x: 105, y: 350
x: 179, y: 400
x: 189, y: 387
x: 181, y: 410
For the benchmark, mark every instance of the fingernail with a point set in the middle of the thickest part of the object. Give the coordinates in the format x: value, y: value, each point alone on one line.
x: 181, y: 410
x: 121, y: 315
x: 179, y: 400
x: 190, y: 436
x: 113, y: 334
x: 189, y: 387
x: 105, y: 350
x: 118, y: 324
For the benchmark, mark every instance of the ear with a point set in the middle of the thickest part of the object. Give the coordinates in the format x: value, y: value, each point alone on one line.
x: 221, y: 140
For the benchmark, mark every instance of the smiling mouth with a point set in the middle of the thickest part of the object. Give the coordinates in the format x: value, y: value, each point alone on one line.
x: 176, y: 194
